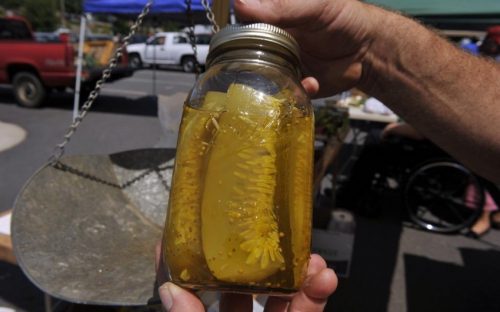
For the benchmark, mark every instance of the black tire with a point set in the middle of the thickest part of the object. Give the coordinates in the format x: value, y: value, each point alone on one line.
x: 437, y: 197
x: 135, y: 61
x: 188, y: 64
x: 28, y: 90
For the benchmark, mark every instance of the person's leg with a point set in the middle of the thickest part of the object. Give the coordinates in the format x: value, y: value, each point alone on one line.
x: 483, y: 223
x: 493, y: 196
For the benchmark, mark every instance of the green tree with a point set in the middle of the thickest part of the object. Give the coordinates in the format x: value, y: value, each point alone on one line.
x: 121, y: 26
x: 11, y: 4
x: 73, y: 6
x: 41, y: 14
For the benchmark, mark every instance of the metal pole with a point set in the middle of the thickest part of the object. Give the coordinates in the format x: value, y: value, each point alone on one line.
x: 155, y: 41
x: 47, y: 302
x: 79, y: 65
x: 154, y: 68
x: 221, y: 12
x: 232, y: 17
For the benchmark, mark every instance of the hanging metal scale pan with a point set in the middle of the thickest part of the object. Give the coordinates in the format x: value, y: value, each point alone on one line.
x: 84, y: 230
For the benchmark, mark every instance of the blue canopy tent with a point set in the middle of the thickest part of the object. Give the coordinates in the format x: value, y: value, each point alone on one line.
x: 135, y: 6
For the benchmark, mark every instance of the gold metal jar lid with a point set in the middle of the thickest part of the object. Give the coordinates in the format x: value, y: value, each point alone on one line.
x: 260, y: 36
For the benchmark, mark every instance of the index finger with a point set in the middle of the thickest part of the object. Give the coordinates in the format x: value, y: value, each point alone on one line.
x: 315, y: 292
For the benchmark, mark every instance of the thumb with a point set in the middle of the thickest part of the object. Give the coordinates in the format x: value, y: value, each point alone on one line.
x: 282, y: 13
x: 177, y: 299
x: 275, y: 12
x: 252, y: 11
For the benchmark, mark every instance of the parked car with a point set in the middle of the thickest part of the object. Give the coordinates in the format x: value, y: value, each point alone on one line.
x: 491, y: 43
x: 138, y: 38
x: 46, y: 37
x: 35, y: 68
x: 169, y: 48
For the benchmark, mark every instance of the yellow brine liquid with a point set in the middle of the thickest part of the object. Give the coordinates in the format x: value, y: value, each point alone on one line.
x: 240, y: 206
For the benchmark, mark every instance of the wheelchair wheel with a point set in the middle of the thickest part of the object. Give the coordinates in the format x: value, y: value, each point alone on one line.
x: 443, y: 197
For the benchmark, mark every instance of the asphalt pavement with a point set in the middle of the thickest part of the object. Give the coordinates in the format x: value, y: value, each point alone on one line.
x: 124, y: 117
x: 395, y: 267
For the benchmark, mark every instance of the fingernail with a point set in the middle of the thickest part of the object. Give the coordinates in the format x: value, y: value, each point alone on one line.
x: 166, y: 295
x: 307, y: 282
x: 248, y: 2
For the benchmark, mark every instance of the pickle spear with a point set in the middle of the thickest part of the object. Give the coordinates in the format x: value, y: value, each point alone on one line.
x: 182, y: 240
x: 240, y: 235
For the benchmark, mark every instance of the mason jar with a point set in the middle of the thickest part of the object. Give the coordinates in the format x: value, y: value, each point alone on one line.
x: 239, y: 215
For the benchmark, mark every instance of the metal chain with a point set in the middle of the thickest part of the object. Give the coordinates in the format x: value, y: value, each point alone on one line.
x: 106, y: 73
x: 192, y: 37
x: 190, y: 29
x: 60, y: 148
x: 158, y: 169
x: 210, y: 16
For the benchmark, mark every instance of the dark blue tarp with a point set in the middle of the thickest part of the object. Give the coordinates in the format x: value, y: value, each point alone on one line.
x: 135, y: 6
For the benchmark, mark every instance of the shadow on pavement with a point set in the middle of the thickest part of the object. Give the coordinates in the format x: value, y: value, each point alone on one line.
x: 18, y: 291
x: 373, y: 264
x: 142, y: 106
x: 6, y: 95
x: 439, y: 286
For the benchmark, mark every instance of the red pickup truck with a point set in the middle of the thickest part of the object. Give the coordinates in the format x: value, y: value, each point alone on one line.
x: 34, y: 68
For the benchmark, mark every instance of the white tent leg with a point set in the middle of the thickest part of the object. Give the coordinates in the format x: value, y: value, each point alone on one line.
x: 79, y: 64
x: 154, y: 70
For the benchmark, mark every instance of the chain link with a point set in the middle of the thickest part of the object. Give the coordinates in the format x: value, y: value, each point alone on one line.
x: 210, y: 16
x: 82, y: 174
x: 106, y: 73
x: 190, y: 30
x: 192, y: 37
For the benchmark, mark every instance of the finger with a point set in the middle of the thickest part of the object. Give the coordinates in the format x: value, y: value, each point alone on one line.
x: 316, y: 264
x: 321, y: 285
x: 279, y: 13
x: 161, y: 274
x: 254, y: 10
x: 335, y: 76
x: 235, y: 302
x: 315, y: 292
x: 157, y: 255
x: 311, y: 86
x: 177, y: 299
x: 275, y: 304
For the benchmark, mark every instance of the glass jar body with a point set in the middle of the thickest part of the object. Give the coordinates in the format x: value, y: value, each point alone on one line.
x: 239, y: 215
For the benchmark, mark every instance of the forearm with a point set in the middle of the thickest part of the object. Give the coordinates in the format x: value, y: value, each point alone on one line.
x: 449, y: 96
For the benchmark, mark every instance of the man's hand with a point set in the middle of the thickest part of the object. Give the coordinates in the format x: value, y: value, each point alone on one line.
x: 334, y: 37
x: 320, y: 283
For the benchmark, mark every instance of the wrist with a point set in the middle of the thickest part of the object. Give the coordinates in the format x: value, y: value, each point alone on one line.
x: 398, y: 44
x: 383, y: 24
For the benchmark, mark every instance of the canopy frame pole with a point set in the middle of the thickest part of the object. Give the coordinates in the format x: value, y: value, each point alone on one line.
x: 79, y: 65
x: 221, y: 10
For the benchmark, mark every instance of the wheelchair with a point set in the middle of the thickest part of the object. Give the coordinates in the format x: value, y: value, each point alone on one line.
x: 438, y: 193
x: 443, y: 196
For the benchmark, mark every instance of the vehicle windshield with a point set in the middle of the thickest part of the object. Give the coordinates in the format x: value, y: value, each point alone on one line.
x: 14, y: 29
x: 203, y: 38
